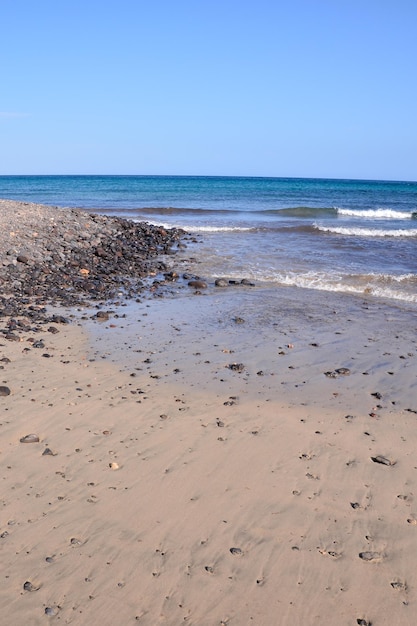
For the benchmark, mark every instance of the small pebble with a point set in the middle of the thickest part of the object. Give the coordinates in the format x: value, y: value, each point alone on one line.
x: 48, y: 452
x: 382, y: 460
x: 50, y: 610
x: 370, y: 556
x: 28, y: 586
x: 32, y: 438
x: 236, y: 367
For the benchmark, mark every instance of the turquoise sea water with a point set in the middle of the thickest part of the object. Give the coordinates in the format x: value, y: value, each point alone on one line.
x: 335, y: 235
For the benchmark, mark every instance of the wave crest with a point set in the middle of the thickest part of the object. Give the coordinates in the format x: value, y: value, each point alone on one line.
x: 378, y: 214
x: 366, y: 232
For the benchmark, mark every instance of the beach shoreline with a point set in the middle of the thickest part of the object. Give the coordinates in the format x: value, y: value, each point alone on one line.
x: 218, y: 456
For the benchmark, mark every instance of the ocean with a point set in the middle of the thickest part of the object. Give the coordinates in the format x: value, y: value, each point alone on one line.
x: 349, y: 236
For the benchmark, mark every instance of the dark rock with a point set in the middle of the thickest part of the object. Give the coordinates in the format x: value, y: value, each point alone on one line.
x: 221, y: 282
x: 197, y: 284
x: 81, y: 258
x: 28, y: 586
x: 4, y: 391
x: 171, y: 276
x: 236, y: 367
x: 382, y: 460
x: 12, y: 337
x: 102, y: 315
x: 59, y: 319
x: 48, y: 452
x: 343, y: 371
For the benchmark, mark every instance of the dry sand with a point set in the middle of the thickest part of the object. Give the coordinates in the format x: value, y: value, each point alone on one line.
x: 183, y: 490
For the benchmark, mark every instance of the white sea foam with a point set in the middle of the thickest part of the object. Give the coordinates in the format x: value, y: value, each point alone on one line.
x: 324, y: 284
x: 377, y: 285
x: 367, y: 232
x: 216, y: 229
x: 192, y: 228
x: 377, y: 214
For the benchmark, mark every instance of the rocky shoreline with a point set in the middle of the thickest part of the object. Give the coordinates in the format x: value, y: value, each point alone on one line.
x: 70, y: 257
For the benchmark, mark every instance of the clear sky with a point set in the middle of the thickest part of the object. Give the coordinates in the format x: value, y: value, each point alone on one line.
x: 320, y: 88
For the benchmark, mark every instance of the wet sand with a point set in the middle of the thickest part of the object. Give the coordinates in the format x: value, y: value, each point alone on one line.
x: 240, y: 457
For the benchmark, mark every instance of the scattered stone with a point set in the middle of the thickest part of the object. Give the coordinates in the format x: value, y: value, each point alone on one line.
x: 51, y: 610
x: 236, y: 367
x: 371, y: 556
x: 4, y: 391
x: 236, y: 551
x: 59, y: 319
x: 102, y: 316
x: 397, y: 584
x: 12, y: 337
x: 340, y: 371
x: 247, y: 282
x: 74, y: 541
x: 197, y: 284
x: 48, y: 452
x: 28, y: 586
x: 32, y: 438
x: 76, y: 259
x: 172, y: 276
x: 221, y: 282
x: 382, y: 460
x: 238, y: 320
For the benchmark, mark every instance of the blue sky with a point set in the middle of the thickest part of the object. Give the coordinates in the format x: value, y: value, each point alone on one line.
x: 321, y: 88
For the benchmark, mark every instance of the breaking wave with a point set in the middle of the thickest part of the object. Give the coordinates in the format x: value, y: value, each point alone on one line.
x: 385, y: 214
x: 393, y: 287
x: 367, y: 232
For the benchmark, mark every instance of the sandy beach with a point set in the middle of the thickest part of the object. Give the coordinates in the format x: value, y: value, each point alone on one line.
x: 205, y: 455
x: 235, y: 457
